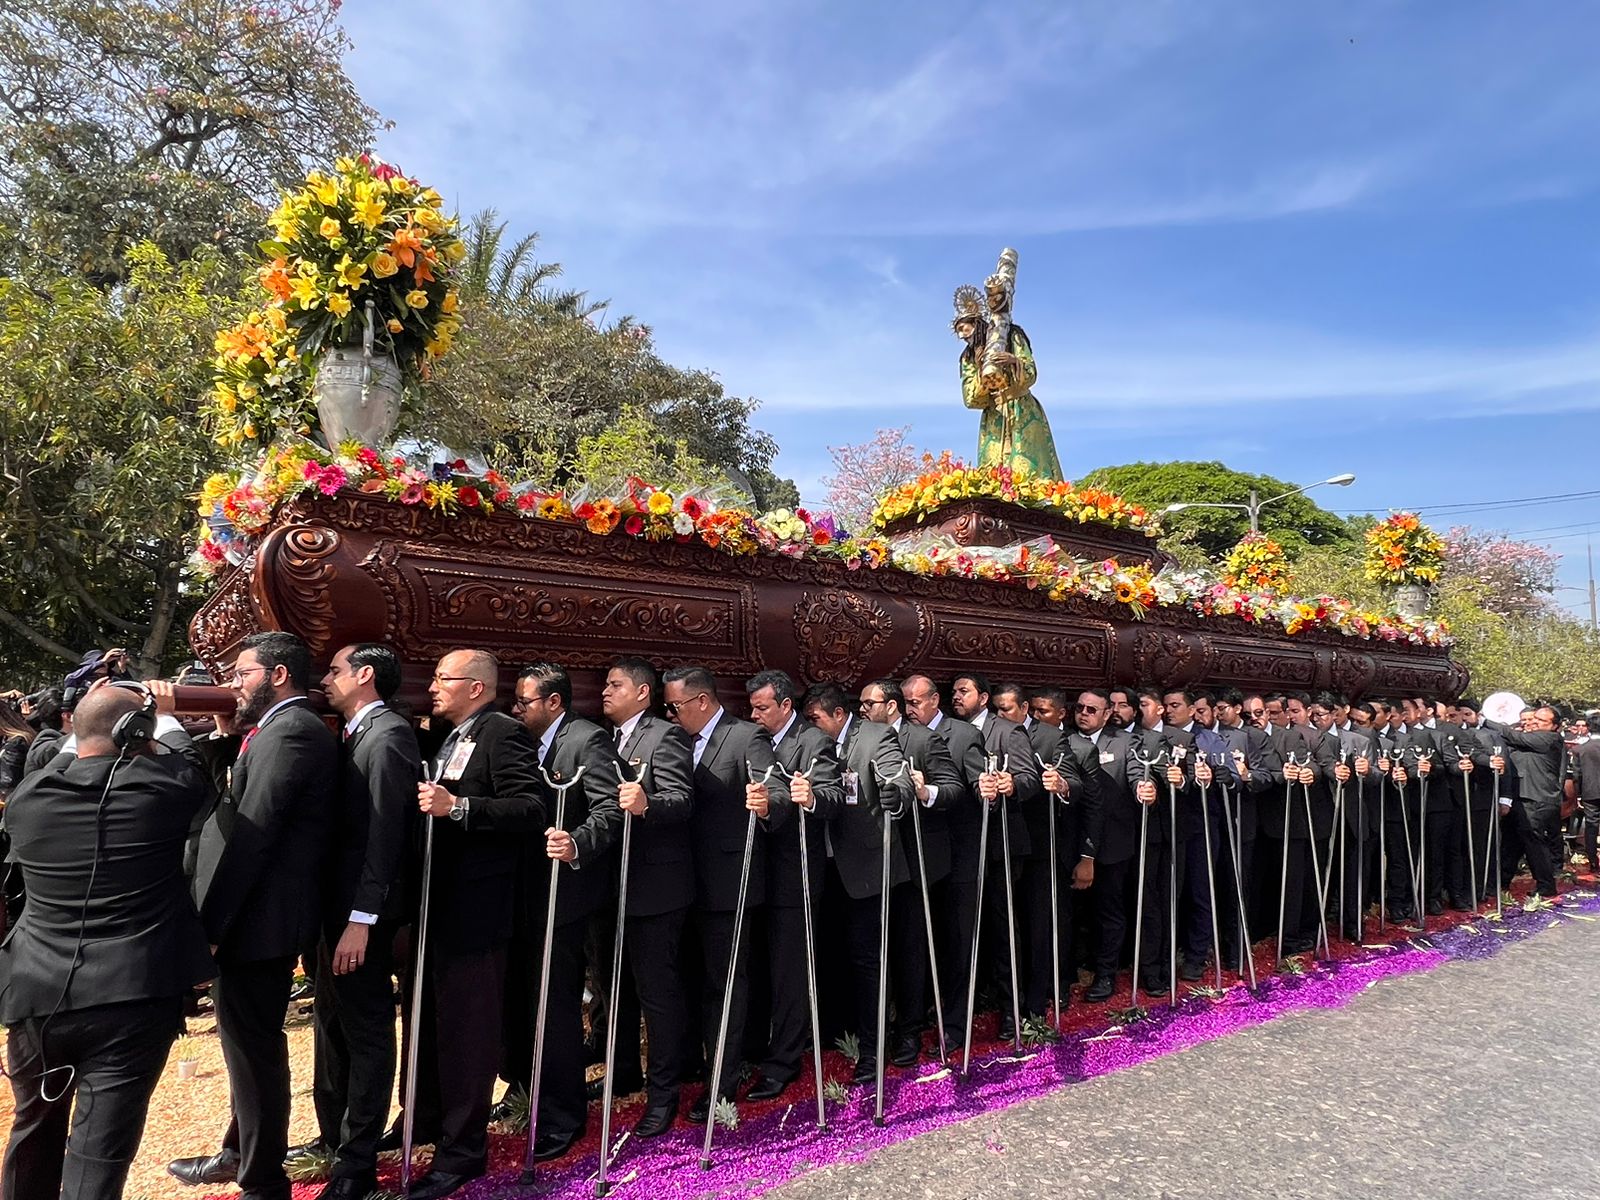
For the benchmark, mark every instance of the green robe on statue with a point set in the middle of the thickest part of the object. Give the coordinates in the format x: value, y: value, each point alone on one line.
x: 1013, y: 431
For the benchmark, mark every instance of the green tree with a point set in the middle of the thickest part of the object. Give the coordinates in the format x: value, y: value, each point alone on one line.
x: 166, y: 120
x: 507, y: 277
x: 101, y: 452
x: 1295, y: 523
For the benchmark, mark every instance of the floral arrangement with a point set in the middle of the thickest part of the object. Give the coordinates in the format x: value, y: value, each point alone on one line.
x: 1257, y: 564
x: 237, y: 507
x: 946, y: 478
x: 1401, y: 550
x: 363, y: 234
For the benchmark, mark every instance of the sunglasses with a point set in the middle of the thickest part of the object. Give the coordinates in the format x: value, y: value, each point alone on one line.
x: 672, y: 706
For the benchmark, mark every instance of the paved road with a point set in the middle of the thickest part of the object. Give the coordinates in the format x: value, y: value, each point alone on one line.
x: 1470, y: 1080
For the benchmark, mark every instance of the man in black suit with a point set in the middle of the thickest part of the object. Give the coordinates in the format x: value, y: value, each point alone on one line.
x: 354, y: 1011
x: 726, y: 751
x: 1064, y: 780
x: 1536, y: 756
x: 1316, y: 758
x: 1473, y: 762
x: 875, y: 781
x: 579, y: 753
x: 1120, y: 782
x: 661, y: 882
x: 956, y: 899
x: 259, y: 878
x: 812, y: 769
x: 93, y: 975
x: 1354, y: 839
x: 1015, y: 783
x: 1248, y: 777
x: 485, y: 803
x: 934, y: 782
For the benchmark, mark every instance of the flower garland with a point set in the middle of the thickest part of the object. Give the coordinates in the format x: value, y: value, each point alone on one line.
x: 1257, y: 564
x: 1401, y: 550
x: 237, y: 508
x: 365, y: 233
x: 946, y: 478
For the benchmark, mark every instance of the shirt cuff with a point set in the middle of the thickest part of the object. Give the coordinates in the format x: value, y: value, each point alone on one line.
x: 362, y: 918
x: 933, y: 796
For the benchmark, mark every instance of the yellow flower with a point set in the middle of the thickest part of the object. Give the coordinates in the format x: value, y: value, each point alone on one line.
x: 431, y: 198
x: 306, y: 292
x: 384, y: 265
x: 660, y: 503
x: 329, y: 228
x: 350, y: 273
x: 368, y: 207
x: 400, y: 185
x: 225, y: 398
x: 326, y: 190
x: 339, y: 304
x: 429, y: 220
x: 417, y: 298
x: 250, y: 430
x: 455, y: 251
x: 448, y: 304
x: 394, y: 325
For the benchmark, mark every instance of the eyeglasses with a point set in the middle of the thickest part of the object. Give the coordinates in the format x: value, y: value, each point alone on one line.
x: 453, y: 678
x: 238, y: 675
x: 1088, y: 708
x: 872, y: 703
x: 672, y: 706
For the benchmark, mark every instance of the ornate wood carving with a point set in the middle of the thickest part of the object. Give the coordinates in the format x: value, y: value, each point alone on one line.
x: 985, y: 522
x: 836, y: 633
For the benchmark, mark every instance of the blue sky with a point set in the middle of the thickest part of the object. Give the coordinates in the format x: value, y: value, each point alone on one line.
x: 1303, y: 239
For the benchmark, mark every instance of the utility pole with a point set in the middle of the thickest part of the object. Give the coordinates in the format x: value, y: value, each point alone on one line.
x: 1594, y: 613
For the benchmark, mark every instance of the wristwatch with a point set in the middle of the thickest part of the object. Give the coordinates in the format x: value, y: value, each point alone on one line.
x: 458, y: 810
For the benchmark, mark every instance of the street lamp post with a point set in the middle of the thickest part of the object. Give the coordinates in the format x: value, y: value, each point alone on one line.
x: 1256, y: 504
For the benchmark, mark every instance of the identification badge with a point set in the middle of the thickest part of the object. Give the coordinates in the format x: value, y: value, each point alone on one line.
x: 1107, y: 757
x: 852, y: 787
x: 459, y: 758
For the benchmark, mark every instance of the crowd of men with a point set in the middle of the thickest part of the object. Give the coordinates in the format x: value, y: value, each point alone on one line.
x: 971, y: 844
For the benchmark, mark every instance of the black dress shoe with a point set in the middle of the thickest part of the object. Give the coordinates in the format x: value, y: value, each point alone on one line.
x: 1008, y: 1029
x: 1100, y: 989
x: 701, y: 1112
x: 1193, y: 969
x: 906, y: 1049
x: 657, y: 1119
x: 769, y: 1087
x: 1154, y: 985
x: 866, y: 1071
x: 221, y: 1167
x: 1293, y: 946
x: 348, y: 1187
x: 1435, y: 909
x: 554, y: 1145
x: 394, y: 1138
x: 317, y: 1148
x: 437, y: 1184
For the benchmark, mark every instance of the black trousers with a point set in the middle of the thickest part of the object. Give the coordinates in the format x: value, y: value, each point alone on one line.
x: 1526, y: 833
x: 716, y: 950
x: 654, y: 947
x: 1438, y: 833
x: 458, y: 1053
x: 791, y: 1004
x: 1037, y: 971
x: 250, y: 999
x: 908, y: 959
x: 863, y: 928
x: 1358, y: 875
x: 116, y: 1053
x: 355, y: 1065
x: 960, y: 918
x: 1194, y: 890
x: 563, y: 1101
x: 1399, y: 888
x: 1114, y: 885
x: 1229, y: 885
x: 1298, y: 897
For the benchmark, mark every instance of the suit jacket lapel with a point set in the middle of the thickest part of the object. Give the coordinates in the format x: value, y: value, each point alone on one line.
x: 718, y: 737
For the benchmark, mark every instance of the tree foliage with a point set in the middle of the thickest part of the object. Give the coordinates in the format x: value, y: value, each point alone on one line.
x: 1295, y: 523
x: 1514, y: 578
x: 101, y: 451
x: 166, y: 120
x: 863, y: 471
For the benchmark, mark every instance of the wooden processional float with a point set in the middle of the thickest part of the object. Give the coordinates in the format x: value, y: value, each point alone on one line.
x: 354, y: 567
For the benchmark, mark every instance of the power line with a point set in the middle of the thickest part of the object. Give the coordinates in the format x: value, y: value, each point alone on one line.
x: 1484, y: 505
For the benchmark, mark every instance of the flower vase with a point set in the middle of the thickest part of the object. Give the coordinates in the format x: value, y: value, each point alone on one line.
x: 1411, y: 601
x: 358, y: 395
x: 187, y: 1068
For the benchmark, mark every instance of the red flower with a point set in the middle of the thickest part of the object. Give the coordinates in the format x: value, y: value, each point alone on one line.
x: 368, y: 458
x: 693, y: 507
x: 634, y: 525
x: 502, y: 495
x: 584, y: 511
x: 459, y: 465
x: 526, y: 501
x: 469, y: 498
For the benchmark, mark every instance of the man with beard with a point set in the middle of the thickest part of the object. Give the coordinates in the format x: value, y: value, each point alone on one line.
x: 1124, y: 711
x: 258, y: 884
x: 1120, y: 781
x: 1064, y: 782
x: 933, y: 781
x: 484, y: 804
x: 806, y: 755
x: 875, y: 782
x: 579, y: 752
x: 354, y: 1009
x: 727, y: 750
x: 660, y: 883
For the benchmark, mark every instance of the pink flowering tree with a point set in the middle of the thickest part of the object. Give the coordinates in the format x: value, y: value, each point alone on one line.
x: 865, y: 470
x: 1510, y: 578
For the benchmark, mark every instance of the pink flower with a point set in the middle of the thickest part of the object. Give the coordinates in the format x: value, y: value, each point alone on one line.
x: 412, y: 494
x: 333, y: 478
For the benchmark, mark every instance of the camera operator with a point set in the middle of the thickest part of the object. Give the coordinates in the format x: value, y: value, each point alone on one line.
x: 93, y: 976
x: 46, y: 711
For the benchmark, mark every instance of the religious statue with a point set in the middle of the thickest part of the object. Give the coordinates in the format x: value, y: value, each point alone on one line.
x: 997, y: 375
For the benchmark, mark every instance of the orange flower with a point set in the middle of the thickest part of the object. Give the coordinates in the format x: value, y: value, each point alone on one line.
x: 405, y: 244
x: 275, y: 278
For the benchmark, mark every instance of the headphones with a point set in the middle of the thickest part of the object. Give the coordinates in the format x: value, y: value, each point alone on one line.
x: 137, y: 728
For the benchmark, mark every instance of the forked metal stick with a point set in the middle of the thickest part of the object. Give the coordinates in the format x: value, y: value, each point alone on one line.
x: 977, y: 934
x: 1147, y: 761
x: 1055, y: 892
x: 1283, y: 880
x: 419, y: 963
x: 543, y: 1011
x: 601, y: 1184
x: 714, y: 1085
x: 1211, y: 874
x: 1172, y: 881
x: 1498, y: 752
x: 811, y: 954
x: 1422, y: 756
x: 1316, y: 868
x: 927, y: 917
x: 883, y: 949
x: 1011, y: 904
x: 1236, y: 836
x: 1466, y: 796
